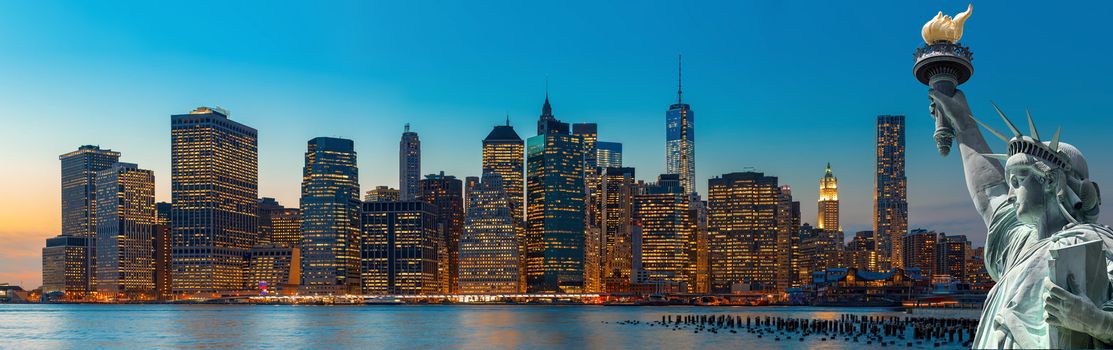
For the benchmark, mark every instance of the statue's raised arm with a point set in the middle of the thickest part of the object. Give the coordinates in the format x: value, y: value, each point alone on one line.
x: 985, y: 177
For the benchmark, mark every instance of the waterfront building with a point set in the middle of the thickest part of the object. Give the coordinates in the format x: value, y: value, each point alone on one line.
x: 952, y: 254
x: 330, y: 207
x: 555, y: 208
x: 65, y: 266
x: 788, y: 233
x: 163, y: 249
x: 399, y: 248
x: 666, y: 230
x: 409, y: 164
x: 617, y: 189
x: 211, y: 157
x: 489, y: 245
x: 890, y: 217
x: 446, y: 194
x: 819, y: 250
x: 125, y: 264
x: 828, y: 202
x: 273, y: 268
x: 79, y: 171
x: 383, y: 194
x: 608, y: 154
x: 593, y: 244
x: 920, y: 251
x: 278, y: 225
x: 861, y: 252
x: 742, y: 229
x: 680, y: 139
x: 504, y: 154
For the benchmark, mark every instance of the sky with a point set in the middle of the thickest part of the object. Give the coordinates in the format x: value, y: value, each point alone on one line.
x: 778, y: 87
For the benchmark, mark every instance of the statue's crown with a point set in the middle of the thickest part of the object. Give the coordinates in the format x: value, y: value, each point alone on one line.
x: 1029, y: 145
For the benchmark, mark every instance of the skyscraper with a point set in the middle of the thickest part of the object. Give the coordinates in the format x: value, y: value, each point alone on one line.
x: 399, y: 248
x: 890, y: 216
x: 828, y: 202
x: 409, y: 164
x: 211, y: 157
x: 788, y: 232
x: 278, y: 225
x: 504, y: 154
x: 662, y: 211
x: 555, y: 210
x: 608, y: 154
x: 163, y: 249
x: 489, y: 245
x: 861, y: 252
x: 742, y: 227
x: 819, y: 250
x: 330, y: 228
x: 446, y: 194
x: 920, y: 251
x: 125, y: 224
x: 593, y: 254
x: 680, y: 139
x: 617, y: 189
x: 79, y: 207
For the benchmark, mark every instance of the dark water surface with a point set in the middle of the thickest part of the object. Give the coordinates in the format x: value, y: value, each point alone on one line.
x: 398, y: 327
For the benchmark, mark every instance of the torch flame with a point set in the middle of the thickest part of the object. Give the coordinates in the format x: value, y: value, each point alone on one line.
x: 945, y: 28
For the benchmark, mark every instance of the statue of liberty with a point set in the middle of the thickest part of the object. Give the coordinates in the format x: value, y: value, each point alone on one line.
x: 1040, y: 200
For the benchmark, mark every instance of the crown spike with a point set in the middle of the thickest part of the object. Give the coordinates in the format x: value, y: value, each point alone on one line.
x: 1055, y: 140
x: 1032, y: 126
x: 1007, y: 121
x: 994, y: 132
x: 996, y: 156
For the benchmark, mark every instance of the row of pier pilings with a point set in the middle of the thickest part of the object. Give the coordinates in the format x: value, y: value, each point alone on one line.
x: 898, y: 331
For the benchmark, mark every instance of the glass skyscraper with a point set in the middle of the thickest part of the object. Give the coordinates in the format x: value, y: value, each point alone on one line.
x: 680, y: 141
x: 608, y: 154
x: 79, y: 171
x: 125, y: 226
x: 555, y: 208
x: 409, y: 164
x: 593, y: 245
x: 330, y: 227
x: 890, y: 216
x: 742, y: 229
x: 399, y: 248
x: 666, y: 229
x: 489, y: 245
x: 214, y: 190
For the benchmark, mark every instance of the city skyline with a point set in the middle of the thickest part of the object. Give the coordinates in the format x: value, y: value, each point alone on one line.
x: 31, y: 209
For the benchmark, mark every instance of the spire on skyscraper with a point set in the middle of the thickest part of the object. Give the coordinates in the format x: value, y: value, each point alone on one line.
x: 679, y: 78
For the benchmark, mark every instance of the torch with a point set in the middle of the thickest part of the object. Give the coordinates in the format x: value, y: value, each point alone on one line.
x: 943, y: 64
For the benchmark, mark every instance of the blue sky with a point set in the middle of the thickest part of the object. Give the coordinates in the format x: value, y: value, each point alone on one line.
x: 778, y: 87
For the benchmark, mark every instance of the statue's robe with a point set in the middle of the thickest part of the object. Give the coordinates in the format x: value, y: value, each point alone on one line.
x: 1016, y: 258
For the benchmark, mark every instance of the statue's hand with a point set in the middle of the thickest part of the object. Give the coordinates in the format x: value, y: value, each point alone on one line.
x: 1076, y: 312
x: 953, y: 109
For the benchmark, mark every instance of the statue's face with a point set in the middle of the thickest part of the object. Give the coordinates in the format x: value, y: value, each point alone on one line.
x: 1030, y: 189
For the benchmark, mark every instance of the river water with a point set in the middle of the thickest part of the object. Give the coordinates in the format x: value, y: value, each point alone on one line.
x: 56, y: 326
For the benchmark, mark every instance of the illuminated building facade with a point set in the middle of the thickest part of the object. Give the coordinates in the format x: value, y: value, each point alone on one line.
x: 890, y: 217
x: 273, y: 268
x: 504, y: 154
x: 680, y: 140
x: 278, y: 225
x: 446, y: 194
x: 819, y: 250
x: 951, y: 255
x: 555, y: 208
x: 489, y: 245
x: 788, y: 242
x: 699, y: 247
x: 399, y: 248
x: 593, y: 237
x: 608, y: 154
x: 65, y: 266
x: 742, y: 228
x: 828, y: 202
x: 920, y: 251
x: 211, y: 157
x: 409, y: 164
x: 125, y: 251
x: 163, y: 249
x: 382, y: 194
x: 79, y: 171
x: 330, y: 207
x: 663, y: 212
x: 617, y: 189
x: 861, y: 252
